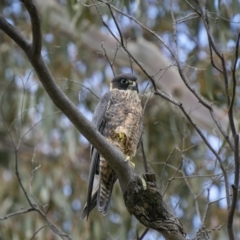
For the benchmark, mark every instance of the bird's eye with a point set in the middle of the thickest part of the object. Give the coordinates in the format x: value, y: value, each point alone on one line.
x: 124, y: 81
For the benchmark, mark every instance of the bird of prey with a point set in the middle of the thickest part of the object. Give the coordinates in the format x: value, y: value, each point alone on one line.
x: 119, y: 118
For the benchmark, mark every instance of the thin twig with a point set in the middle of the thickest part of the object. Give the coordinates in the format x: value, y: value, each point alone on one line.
x: 33, y: 236
x: 31, y: 179
x: 200, y: 99
x: 187, y: 18
x: 87, y: 88
x: 143, y: 234
x: 226, y: 137
x: 20, y: 180
x: 235, y: 190
x: 210, y: 147
x: 17, y: 213
x: 116, y: 23
x: 34, y: 125
x: 164, y: 167
x: 210, y: 38
x: 170, y: 179
x: 93, y: 5
x: 230, y: 112
x: 125, y: 49
x: 202, y: 136
x: 206, y: 209
x: 195, y: 197
x: 33, y: 52
x: 236, y: 152
x: 115, y: 54
x: 145, y: 28
x: 109, y: 62
x: 144, y: 157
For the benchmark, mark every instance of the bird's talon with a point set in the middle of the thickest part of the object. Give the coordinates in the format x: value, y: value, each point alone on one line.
x: 133, y: 164
x: 128, y: 158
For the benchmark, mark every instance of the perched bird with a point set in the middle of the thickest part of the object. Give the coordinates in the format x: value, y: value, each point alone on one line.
x: 119, y: 118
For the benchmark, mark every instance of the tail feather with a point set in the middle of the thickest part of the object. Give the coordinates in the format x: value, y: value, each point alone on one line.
x: 101, y: 194
x: 107, y: 179
x: 104, y: 196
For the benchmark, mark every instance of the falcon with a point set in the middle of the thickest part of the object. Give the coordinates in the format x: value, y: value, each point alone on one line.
x: 119, y: 118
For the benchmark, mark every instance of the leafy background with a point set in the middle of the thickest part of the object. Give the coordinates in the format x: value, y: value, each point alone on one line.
x: 54, y: 158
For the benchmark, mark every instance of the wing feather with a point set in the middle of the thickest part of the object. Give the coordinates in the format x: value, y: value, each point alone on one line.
x: 98, y: 120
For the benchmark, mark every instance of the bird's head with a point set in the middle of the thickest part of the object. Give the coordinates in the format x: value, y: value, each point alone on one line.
x: 124, y: 82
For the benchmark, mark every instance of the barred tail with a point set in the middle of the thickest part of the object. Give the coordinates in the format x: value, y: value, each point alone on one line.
x: 106, y: 182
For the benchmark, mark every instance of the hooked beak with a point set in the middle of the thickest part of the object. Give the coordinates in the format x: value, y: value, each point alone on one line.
x: 133, y: 85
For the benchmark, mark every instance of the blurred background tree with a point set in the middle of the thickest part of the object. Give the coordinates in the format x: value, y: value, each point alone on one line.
x: 54, y: 158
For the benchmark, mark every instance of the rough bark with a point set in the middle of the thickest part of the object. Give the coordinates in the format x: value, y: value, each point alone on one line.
x: 145, y: 202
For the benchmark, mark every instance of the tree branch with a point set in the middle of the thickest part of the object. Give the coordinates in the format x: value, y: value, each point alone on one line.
x: 236, y: 149
x: 14, y: 34
x: 162, y: 220
x: 123, y: 46
x: 235, y: 190
x: 147, y: 205
x: 202, y: 136
x: 230, y: 112
x: 17, y: 213
x: 36, y: 27
x: 115, y: 157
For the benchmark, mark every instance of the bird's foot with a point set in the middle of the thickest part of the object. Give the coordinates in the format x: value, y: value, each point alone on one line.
x: 144, y: 184
x: 128, y: 158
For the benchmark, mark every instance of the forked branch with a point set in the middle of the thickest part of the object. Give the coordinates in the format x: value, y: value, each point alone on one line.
x: 126, y: 175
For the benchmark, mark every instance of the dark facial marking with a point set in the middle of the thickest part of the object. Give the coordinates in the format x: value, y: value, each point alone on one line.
x: 125, y: 82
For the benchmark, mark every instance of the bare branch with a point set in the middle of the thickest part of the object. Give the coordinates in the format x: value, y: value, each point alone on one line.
x: 230, y: 112
x: 83, y: 86
x: 110, y: 63
x: 221, y: 130
x: 143, y: 234
x: 116, y: 23
x: 201, y: 100
x: 15, y: 35
x: 212, y: 45
x: 234, y: 189
x: 170, y: 179
x: 236, y: 148
x: 144, y: 157
x: 72, y: 112
x: 144, y: 27
x: 114, y: 156
x: 17, y: 213
x: 176, y: 56
x: 205, y: 22
x: 36, y: 27
x: 33, y: 236
x: 125, y: 48
x: 202, y: 136
x: 93, y: 5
